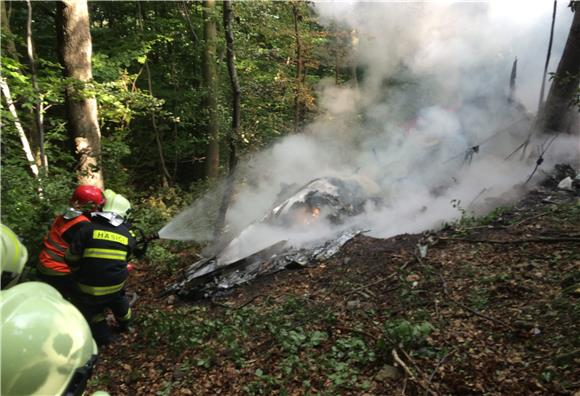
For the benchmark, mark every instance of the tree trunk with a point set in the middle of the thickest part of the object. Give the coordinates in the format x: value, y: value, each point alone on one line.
x: 233, y: 135
x: 75, y: 50
x: 38, y: 110
x: 354, y: 44
x: 541, y: 100
x: 336, y: 51
x: 299, y: 66
x: 512, y: 88
x: 184, y: 10
x: 25, y: 144
x: 556, y: 114
x: 210, y: 83
x: 8, y: 42
x: 235, y: 85
x: 31, y: 131
x: 164, y: 172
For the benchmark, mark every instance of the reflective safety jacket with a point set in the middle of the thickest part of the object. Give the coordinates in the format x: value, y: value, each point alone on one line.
x: 62, y: 231
x: 98, y: 256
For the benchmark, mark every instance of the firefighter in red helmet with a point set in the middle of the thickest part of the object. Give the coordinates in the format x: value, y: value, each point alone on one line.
x: 52, y: 267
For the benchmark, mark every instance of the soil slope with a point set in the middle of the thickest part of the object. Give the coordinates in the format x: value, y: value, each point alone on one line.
x: 484, y: 306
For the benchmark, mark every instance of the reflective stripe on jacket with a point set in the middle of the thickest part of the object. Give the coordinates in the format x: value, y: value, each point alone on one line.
x: 100, y: 290
x: 54, y: 246
x: 98, y: 257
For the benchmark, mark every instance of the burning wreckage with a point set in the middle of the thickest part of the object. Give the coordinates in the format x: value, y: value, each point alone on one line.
x: 285, y: 238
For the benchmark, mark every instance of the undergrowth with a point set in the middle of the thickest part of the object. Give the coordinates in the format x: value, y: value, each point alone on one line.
x: 299, y: 333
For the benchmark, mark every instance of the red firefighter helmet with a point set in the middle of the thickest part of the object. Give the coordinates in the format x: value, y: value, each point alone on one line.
x: 86, y: 195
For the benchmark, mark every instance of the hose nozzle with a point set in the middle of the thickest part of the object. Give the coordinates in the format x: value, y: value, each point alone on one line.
x: 152, y: 237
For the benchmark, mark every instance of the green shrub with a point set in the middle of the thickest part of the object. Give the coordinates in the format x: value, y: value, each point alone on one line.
x: 409, y: 335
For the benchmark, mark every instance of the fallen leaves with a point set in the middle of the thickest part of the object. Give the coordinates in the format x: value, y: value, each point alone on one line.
x: 516, y: 284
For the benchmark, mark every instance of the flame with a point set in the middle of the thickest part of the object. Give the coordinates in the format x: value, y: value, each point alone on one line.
x: 310, y: 216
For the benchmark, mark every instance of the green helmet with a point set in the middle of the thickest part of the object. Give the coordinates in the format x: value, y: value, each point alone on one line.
x: 116, y: 203
x: 47, y: 347
x: 13, y: 256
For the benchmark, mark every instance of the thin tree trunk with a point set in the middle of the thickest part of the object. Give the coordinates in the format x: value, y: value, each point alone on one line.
x: 556, y: 114
x: 184, y: 10
x: 354, y: 44
x: 233, y: 135
x: 75, y: 50
x: 336, y: 50
x: 299, y: 66
x: 25, y: 144
x: 176, y: 88
x: 541, y: 101
x: 38, y: 107
x: 235, y: 85
x: 10, y: 49
x: 513, y: 76
x: 210, y: 82
x: 164, y: 172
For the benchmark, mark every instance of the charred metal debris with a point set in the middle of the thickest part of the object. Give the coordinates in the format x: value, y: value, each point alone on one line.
x: 327, y: 199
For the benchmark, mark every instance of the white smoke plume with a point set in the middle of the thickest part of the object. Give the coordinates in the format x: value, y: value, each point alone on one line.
x: 434, y: 83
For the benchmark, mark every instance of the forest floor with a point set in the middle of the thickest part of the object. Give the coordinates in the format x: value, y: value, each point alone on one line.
x: 484, y: 306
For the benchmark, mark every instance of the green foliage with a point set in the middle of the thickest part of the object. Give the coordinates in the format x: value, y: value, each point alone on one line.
x: 25, y: 211
x: 151, y: 212
x: 168, y: 40
x: 494, y: 216
x: 303, y: 347
x: 567, y: 79
x: 467, y: 220
x: 353, y: 350
x: 407, y: 334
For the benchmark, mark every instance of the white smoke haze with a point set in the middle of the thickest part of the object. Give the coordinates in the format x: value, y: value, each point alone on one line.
x: 434, y: 83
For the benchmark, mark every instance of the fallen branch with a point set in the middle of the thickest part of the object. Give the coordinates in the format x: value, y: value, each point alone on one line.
x: 488, y: 227
x: 477, y: 313
x: 439, y: 363
x: 528, y: 219
x: 219, y: 304
x: 251, y: 300
x: 380, y: 280
x: 410, y: 359
x: 402, y: 364
x: 530, y: 240
x: 364, y: 287
x: 473, y: 311
x: 410, y: 374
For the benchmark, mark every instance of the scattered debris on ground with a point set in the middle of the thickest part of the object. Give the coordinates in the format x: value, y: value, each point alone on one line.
x: 483, y: 306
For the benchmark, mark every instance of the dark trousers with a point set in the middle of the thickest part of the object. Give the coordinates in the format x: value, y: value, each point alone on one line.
x: 93, y: 308
x: 63, y: 283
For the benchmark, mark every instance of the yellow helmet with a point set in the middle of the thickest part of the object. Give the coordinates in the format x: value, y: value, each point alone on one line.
x: 47, y: 346
x: 116, y: 203
x: 13, y: 256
